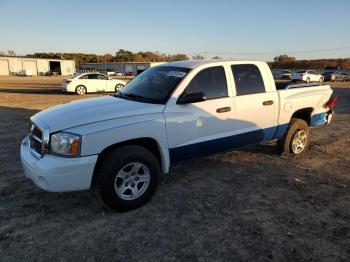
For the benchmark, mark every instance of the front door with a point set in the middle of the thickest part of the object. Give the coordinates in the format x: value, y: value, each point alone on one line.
x: 202, y: 128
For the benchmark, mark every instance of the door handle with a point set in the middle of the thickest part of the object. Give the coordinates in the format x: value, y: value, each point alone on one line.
x: 268, y: 102
x: 223, y: 109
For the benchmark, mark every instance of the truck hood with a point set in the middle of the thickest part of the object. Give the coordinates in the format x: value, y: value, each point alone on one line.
x: 92, y: 110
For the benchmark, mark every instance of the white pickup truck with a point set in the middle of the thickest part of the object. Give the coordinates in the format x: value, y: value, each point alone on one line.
x: 121, y: 145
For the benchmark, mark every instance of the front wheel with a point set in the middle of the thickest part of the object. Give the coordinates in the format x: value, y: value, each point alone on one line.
x: 127, y: 177
x: 307, y: 80
x: 296, y: 140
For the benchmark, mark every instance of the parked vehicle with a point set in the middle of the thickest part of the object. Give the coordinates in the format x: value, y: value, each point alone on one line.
x: 335, y: 76
x: 129, y: 74
x: 307, y: 76
x: 121, y: 145
x: 46, y: 73
x: 111, y: 73
x: 24, y: 72
x: 276, y: 73
x: 286, y: 75
x: 91, y: 82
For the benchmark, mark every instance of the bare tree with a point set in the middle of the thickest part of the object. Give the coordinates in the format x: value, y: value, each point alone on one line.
x: 11, y: 53
x: 197, y: 57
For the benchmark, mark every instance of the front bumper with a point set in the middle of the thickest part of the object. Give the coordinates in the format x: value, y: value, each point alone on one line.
x: 58, y: 174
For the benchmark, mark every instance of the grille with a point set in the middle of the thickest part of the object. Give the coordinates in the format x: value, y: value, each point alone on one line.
x: 36, y: 139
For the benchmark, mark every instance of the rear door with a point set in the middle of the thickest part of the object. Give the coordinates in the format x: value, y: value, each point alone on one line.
x: 315, y: 76
x: 255, y: 102
x: 201, y: 128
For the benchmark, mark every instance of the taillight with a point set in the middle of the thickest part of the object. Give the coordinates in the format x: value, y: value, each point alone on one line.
x: 331, y: 103
x: 68, y: 81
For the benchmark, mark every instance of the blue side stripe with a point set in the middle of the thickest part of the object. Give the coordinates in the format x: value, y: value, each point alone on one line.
x: 214, y: 146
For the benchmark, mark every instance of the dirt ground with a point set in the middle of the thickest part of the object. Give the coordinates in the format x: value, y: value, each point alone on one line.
x: 246, y: 205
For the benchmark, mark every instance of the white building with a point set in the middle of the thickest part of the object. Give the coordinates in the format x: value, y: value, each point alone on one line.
x: 122, y: 67
x: 10, y: 65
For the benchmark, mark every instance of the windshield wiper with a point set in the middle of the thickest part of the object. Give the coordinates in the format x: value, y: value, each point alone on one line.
x: 135, y: 97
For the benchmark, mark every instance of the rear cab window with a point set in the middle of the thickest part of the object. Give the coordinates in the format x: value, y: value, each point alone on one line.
x: 248, y: 79
x: 210, y: 81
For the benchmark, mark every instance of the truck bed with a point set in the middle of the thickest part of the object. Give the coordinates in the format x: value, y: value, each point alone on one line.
x: 289, y: 85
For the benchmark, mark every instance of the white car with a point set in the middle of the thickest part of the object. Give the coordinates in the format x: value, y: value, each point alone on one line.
x: 24, y: 72
x: 307, y: 76
x: 90, y: 83
x: 121, y: 145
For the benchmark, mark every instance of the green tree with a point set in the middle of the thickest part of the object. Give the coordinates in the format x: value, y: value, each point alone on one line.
x: 123, y: 56
x: 178, y: 57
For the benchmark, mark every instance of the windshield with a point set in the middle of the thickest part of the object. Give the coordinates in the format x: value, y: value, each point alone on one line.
x: 154, y: 85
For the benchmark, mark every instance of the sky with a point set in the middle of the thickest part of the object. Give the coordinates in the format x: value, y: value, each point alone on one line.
x: 249, y: 29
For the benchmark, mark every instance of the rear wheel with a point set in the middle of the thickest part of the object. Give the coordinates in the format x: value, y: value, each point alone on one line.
x: 80, y: 90
x: 296, y: 140
x: 127, y: 177
x: 321, y: 79
x: 118, y: 87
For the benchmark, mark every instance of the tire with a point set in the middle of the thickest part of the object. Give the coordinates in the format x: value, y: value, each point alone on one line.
x: 297, y: 130
x: 118, y: 87
x: 117, y: 176
x: 80, y: 90
x: 308, y: 80
x: 321, y: 79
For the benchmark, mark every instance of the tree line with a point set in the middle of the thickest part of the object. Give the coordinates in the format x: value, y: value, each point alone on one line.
x: 289, y: 62
x: 120, y: 56
x: 279, y: 62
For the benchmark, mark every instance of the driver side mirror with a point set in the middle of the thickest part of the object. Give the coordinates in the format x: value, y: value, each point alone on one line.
x: 191, y: 98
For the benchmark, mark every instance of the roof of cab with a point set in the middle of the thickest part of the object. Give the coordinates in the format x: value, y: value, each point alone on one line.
x: 195, y: 63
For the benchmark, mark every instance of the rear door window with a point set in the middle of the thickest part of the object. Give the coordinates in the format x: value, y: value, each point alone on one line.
x: 101, y: 77
x: 211, y: 81
x: 248, y: 79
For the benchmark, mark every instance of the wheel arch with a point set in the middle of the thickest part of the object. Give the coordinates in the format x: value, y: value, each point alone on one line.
x: 304, y: 114
x: 75, y: 88
x: 147, y: 142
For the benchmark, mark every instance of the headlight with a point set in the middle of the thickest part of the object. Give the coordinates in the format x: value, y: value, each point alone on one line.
x: 66, y: 144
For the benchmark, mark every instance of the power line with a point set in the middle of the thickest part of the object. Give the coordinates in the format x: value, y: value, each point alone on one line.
x: 273, y: 53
